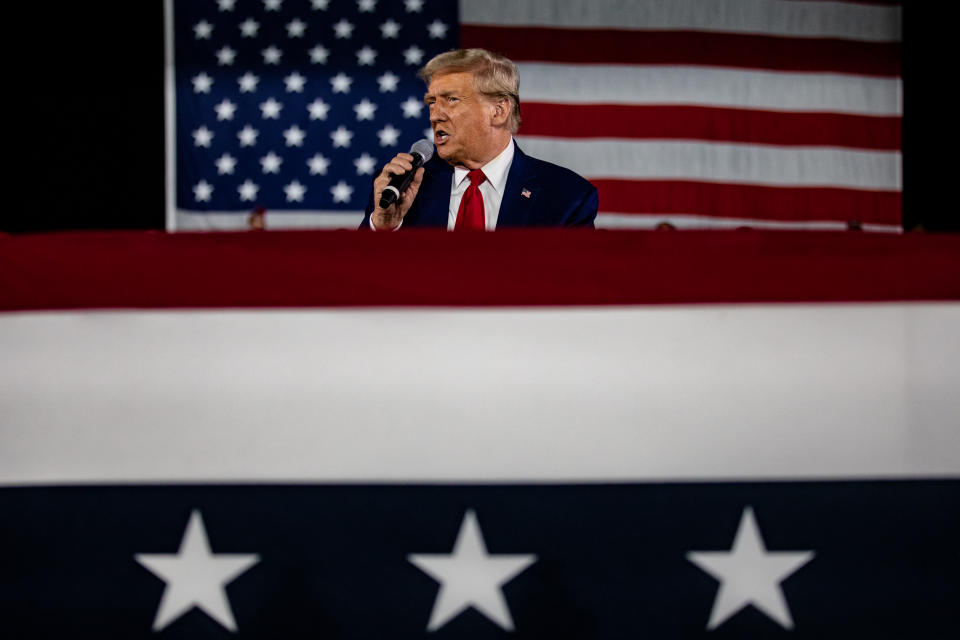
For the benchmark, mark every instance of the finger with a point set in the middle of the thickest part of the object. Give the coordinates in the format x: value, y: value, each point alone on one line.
x: 411, y: 191
x: 417, y: 179
x: 397, y: 166
x: 403, y: 159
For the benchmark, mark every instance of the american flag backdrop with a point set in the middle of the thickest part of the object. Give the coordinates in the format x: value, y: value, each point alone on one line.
x: 700, y: 113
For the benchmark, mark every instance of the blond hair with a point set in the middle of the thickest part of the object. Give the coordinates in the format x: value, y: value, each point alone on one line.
x: 494, y: 76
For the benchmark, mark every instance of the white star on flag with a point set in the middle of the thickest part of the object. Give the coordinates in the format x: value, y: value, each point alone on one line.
x: 366, y: 56
x: 270, y: 109
x: 341, y: 136
x: 271, y: 163
x: 225, y: 56
x: 225, y: 110
x: 249, y: 28
x: 294, y: 136
x: 749, y: 574
x: 248, y: 190
x: 296, y: 28
x: 202, y: 83
x: 318, y: 109
x: 471, y: 577
x: 365, y: 109
x: 202, y: 30
x: 341, y: 192
x: 247, y: 136
x: 437, y: 29
x: 202, y: 191
x: 343, y: 29
x: 295, y: 82
x: 195, y: 577
x: 295, y: 191
x: 388, y: 136
x: 320, y: 5
x: 202, y: 137
x: 341, y: 83
x: 388, y: 82
x: 226, y: 164
x: 226, y: 5
x: 272, y: 55
x: 248, y: 82
x: 413, y: 54
x: 318, y: 164
x: 319, y: 54
x: 390, y: 29
x: 365, y: 164
x: 411, y: 107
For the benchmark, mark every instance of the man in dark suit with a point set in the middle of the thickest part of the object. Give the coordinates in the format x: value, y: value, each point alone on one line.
x: 479, y: 179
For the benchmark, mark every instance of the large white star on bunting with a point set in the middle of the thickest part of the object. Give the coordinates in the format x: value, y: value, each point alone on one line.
x: 749, y: 574
x: 471, y: 577
x: 195, y: 577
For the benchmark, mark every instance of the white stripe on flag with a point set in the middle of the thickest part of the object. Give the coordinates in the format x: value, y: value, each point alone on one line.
x: 721, y: 162
x: 610, y: 394
x: 238, y: 220
x: 613, y: 221
x: 710, y: 86
x: 848, y: 21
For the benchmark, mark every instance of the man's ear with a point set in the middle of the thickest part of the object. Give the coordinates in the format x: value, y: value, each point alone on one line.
x: 501, y: 111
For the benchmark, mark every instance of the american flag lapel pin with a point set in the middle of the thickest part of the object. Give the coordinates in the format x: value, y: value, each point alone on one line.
x: 525, y: 193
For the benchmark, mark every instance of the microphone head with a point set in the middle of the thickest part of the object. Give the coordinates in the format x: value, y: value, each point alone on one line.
x: 424, y: 148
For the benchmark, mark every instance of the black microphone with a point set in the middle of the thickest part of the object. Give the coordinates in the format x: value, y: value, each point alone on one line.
x: 422, y: 150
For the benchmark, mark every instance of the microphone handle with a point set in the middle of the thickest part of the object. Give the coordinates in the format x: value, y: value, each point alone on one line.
x: 399, y: 183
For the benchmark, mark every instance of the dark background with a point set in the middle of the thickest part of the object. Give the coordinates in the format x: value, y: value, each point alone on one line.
x: 90, y: 145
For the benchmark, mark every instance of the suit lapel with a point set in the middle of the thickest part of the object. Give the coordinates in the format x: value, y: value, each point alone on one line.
x: 520, y: 193
x: 434, y: 196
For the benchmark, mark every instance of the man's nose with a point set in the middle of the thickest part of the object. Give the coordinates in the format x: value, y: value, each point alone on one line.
x: 437, y: 114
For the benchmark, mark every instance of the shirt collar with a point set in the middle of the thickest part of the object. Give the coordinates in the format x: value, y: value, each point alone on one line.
x: 496, y: 170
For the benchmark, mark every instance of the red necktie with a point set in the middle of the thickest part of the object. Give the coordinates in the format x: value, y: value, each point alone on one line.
x: 470, y: 215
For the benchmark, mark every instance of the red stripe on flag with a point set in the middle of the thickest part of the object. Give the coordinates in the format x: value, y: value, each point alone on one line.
x: 610, y: 46
x: 708, y: 123
x: 749, y: 201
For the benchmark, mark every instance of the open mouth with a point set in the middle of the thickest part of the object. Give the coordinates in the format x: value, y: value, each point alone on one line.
x: 439, y: 136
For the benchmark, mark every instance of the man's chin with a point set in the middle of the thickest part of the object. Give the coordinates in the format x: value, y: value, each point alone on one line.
x: 446, y: 153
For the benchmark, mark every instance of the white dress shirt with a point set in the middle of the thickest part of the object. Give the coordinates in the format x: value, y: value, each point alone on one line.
x: 491, y: 189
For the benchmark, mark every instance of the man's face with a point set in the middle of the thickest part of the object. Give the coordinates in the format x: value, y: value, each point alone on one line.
x: 462, y: 121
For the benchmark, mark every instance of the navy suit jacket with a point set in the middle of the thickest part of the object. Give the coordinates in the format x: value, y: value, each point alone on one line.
x: 537, y: 194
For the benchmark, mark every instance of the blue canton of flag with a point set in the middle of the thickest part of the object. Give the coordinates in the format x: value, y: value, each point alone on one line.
x: 293, y: 106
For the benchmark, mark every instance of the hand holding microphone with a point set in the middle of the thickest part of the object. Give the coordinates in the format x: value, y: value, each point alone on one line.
x: 395, y: 189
